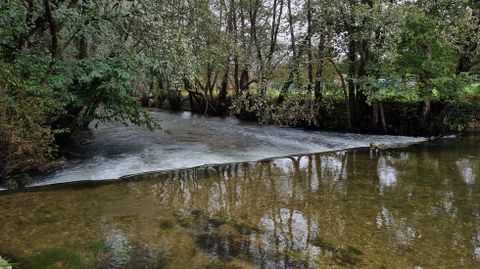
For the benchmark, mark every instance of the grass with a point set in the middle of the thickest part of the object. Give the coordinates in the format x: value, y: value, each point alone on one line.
x: 333, y: 94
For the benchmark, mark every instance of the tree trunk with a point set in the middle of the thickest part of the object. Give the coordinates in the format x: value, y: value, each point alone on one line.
x: 375, y: 115
x: 344, y: 89
x: 427, y: 105
x: 244, y: 80
x: 222, y: 95
x: 321, y: 61
x: 236, y: 77
x: 309, y: 49
x: 53, y: 29
x: 351, y: 83
x: 189, y: 89
x: 383, y: 118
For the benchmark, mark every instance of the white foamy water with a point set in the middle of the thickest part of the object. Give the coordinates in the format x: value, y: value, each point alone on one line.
x: 116, y: 150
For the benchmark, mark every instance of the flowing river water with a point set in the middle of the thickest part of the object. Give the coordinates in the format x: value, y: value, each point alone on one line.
x: 409, y: 207
x: 187, y: 140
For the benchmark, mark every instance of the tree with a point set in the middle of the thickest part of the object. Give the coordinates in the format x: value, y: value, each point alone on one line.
x: 84, y: 60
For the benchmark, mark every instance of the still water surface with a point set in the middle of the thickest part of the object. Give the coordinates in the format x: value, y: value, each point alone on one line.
x: 413, y: 207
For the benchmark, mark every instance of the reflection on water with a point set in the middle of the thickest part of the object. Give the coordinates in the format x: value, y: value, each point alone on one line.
x: 466, y: 169
x: 414, y: 207
x: 386, y: 172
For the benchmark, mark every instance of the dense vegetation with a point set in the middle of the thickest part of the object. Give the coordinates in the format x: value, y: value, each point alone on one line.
x: 406, y: 67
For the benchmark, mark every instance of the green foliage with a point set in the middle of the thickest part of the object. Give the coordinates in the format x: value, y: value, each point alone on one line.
x: 85, y: 63
x: 67, y: 64
x: 423, y: 61
x: 465, y: 116
x: 26, y: 139
x: 103, y: 91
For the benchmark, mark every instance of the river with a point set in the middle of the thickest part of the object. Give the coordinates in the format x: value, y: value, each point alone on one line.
x: 409, y: 207
x: 185, y: 140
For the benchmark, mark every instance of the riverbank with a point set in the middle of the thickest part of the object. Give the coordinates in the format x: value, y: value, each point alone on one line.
x: 303, y: 111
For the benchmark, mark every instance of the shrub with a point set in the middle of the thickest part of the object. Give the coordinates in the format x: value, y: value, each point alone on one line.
x: 465, y: 117
x: 26, y: 140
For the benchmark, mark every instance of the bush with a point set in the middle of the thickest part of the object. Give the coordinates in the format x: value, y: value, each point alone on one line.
x: 26, y: 140
x: 465, y: 117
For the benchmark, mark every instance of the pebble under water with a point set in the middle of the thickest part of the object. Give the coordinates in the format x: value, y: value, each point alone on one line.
x: 412, y: 207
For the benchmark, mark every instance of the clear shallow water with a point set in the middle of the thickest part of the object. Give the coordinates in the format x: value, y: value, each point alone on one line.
x: 415, y: 207
x: 187, y: 140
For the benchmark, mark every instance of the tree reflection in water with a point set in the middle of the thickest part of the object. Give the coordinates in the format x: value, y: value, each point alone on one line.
x: 408, y: 207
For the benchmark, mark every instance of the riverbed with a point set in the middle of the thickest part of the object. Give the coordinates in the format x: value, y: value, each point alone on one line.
x: 409, y: 207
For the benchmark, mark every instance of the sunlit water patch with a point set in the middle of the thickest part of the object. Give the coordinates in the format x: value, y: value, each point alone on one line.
x: 188, y: 140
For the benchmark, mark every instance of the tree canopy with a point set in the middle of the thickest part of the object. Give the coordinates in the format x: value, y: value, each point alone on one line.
x: 70, y: 63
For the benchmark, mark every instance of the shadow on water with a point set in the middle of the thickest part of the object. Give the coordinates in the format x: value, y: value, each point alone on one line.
x: 415, y: 207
